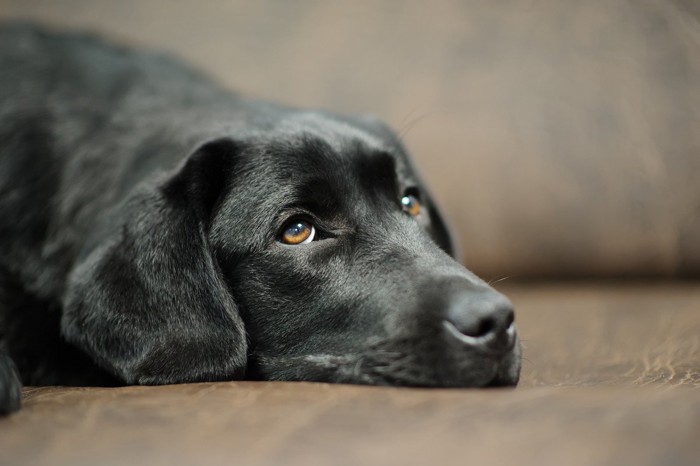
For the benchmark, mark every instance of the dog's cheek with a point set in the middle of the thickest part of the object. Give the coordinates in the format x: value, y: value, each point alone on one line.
x: 293, y: 308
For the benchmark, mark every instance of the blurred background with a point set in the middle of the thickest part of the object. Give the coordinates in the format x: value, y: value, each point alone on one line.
x: 560, y: 137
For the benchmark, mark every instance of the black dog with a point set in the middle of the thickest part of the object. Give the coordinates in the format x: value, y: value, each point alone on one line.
x: 155, y: 229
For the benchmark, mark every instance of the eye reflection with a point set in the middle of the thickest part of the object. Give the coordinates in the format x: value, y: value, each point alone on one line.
x: 410, y: 204
x: 298, y: 232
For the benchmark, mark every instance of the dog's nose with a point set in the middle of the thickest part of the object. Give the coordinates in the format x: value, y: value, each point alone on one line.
x: 482, y: 319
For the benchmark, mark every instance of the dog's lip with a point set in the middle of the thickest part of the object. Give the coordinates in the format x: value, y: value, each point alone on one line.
x: 484, y: 343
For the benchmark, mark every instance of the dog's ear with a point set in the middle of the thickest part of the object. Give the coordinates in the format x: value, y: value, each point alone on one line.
x: 149, y: 304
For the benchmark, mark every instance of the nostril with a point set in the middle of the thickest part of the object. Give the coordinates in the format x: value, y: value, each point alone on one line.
x: 510, y: 318
x: 479, y: 328
x: 476, y: 323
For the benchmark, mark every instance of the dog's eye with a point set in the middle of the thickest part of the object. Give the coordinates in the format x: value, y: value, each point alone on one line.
x: 410, y: 204
x: 298, y: 232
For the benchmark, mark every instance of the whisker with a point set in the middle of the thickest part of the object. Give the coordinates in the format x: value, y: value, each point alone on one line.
x: 405, y: 128
x: 499, y: 279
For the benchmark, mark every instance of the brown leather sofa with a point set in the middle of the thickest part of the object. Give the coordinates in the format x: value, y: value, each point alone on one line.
x: 563, y: 141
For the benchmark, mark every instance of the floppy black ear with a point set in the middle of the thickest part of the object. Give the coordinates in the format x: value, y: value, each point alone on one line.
x: 149, y: 304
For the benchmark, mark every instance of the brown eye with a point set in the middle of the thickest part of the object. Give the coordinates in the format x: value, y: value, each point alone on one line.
x: 298, y: 232
x: 411, y: 205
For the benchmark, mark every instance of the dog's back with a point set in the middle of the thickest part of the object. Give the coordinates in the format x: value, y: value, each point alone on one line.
x: 76, y: 116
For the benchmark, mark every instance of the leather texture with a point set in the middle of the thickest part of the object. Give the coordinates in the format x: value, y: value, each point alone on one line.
x: 611, y: 376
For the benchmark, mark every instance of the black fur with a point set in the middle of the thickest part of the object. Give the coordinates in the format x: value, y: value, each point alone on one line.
x: 141, y: 207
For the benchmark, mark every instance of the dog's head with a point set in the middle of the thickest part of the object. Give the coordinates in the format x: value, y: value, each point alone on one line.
x: 307, y: 251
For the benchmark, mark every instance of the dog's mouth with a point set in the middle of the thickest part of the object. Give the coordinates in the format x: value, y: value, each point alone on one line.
x: 391, y: 363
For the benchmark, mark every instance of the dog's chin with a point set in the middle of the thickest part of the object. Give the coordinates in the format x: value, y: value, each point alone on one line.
x: 379, y: 366
x: 508, y: 369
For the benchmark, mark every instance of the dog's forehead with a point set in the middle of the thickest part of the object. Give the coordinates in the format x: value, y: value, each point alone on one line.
x: 335, y: 132
x: 348, y: 143
x: 316, y: 155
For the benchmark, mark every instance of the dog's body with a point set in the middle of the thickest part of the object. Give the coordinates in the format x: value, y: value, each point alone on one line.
x: 144, y: 223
